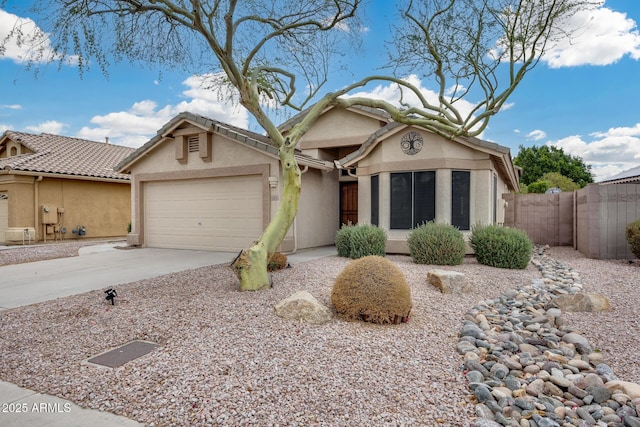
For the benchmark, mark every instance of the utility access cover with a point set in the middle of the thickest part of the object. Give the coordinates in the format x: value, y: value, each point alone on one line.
x: 123, y: 354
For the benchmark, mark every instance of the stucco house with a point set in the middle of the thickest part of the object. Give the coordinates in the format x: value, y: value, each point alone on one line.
x: 203, y: 184
x: 55, y: 187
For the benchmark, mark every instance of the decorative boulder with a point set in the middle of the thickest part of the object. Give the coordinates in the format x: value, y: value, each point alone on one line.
x: 630, y: 389
x: 582, y: 302
x: 303, y: 306
x: 448, y: 282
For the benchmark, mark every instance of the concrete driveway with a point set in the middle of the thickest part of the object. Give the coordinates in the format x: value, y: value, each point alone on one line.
x: 97, y: 267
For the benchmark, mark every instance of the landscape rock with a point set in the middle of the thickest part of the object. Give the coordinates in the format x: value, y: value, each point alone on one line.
x: 582, y: 302
x: 305, y: 307
x: 530, y: 369
x: 630, y: 389
x: 448, y: 282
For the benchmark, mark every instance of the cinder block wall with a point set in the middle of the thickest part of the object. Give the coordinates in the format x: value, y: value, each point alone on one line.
x: 592, y: 219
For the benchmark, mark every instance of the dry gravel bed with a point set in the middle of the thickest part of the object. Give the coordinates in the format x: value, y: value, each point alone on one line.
x: 227, y: 359
x: 21, y: 254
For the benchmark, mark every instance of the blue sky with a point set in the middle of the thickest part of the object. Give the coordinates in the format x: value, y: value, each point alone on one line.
x: 584, y: 97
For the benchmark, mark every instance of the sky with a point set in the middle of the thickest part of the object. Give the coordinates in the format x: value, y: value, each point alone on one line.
x: 584, y: 96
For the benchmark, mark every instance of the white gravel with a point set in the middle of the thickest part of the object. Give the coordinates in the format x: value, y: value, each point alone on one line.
x: 226, y: 358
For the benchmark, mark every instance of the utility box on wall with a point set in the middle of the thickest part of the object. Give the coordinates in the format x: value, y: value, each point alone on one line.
x: 49, y: 214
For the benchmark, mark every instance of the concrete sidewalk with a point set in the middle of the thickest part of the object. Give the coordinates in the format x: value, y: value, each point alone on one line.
x: 97, y: 267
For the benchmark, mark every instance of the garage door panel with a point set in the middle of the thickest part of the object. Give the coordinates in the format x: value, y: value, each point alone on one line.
x: 211, y: 214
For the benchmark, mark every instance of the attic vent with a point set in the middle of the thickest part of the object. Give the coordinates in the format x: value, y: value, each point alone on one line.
x: 194, y: 144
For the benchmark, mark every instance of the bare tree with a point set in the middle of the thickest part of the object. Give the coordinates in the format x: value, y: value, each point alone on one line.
x: 264, y: 47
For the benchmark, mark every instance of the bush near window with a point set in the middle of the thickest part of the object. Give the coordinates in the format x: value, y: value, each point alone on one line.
x: 357, y: 241
x: 437, y: 244
x: 372, y: 289
x: 633, y: 237
x: 501, y: 247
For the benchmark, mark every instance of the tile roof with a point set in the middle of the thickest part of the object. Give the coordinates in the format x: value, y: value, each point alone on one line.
x: 627, y: 176
x: 64, y: 155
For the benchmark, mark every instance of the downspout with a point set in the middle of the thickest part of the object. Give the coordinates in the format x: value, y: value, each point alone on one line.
x: 295, y: 220
x: 36, y: 203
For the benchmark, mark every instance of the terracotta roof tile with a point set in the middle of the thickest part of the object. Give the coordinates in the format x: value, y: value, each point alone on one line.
x: 66, y: 156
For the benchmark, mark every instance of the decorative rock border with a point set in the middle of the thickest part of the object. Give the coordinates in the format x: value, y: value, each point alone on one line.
x: 527, y: 368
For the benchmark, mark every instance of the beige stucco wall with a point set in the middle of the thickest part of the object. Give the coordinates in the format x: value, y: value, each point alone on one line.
x: 318, y: 215
x: 103, y: 208
x: 339, y: 128
x: 437, y: 154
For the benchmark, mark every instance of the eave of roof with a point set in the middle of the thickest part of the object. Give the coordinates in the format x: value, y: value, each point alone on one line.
x: 247, y: 138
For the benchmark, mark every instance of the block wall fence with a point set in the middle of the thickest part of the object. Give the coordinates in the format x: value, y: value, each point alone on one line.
x: 591, y: 220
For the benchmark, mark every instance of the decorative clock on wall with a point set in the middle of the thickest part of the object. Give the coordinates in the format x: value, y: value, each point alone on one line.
x: 411, y: 143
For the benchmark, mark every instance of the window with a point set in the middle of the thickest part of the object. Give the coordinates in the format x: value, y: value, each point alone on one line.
x: 413, y: 199
x: 460, y: 199
x: 375, y: 199
x: 13, y: 151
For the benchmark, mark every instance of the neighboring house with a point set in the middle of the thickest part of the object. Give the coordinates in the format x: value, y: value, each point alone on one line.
x: 202, y: 184
x: 630, y: 176
x: 57, y: 187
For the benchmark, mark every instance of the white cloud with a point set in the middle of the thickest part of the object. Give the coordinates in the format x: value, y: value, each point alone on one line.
x: 23, y: 40
x: 11, y: 106
x: 50, y: 126
x: 603, y: 37
x: 608, y: 153
x: 4, y: 127
x: 139, y: 123
x: 536, y: 135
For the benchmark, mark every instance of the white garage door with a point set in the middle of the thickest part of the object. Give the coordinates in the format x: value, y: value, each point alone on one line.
x: 222, y: 214
x: 4, y: 216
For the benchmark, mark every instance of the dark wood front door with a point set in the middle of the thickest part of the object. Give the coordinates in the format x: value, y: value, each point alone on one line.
x: 348, y: 203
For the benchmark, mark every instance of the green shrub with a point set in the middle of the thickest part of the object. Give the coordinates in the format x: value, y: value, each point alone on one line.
x: 372, y: 289
x: 357, y: 241
x: 501, y: 246
x: 343, y: 241
x: 436, y: 243
x: 538, y: 187
x: 633, y: 237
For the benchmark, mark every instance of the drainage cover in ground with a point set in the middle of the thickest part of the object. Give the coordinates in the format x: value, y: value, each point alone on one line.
x: 123, y: 354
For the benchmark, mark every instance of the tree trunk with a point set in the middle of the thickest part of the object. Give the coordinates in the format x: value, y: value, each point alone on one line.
x: 251, y: 265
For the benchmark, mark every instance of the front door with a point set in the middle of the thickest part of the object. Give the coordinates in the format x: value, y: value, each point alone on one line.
x: 348, y: 203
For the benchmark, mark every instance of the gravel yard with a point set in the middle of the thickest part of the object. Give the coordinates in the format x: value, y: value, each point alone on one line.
x: 226, y: 359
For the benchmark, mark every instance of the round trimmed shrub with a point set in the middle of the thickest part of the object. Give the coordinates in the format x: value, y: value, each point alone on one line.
x: 633, y: 237
x: 372, y: 289
x: 357, y: 241
x: 437, y: 244
x: 501, y: 247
